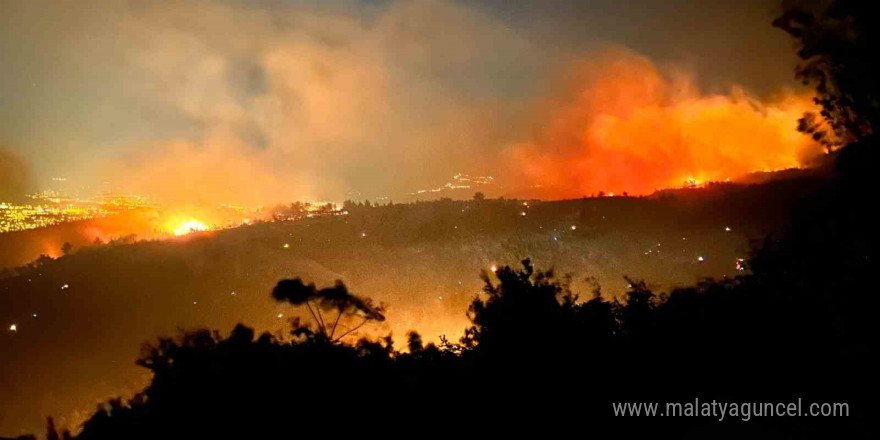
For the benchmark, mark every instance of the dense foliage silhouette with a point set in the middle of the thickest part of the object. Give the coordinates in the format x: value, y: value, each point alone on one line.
x: 837, y: 42
x: 800, y: 323
x: 797, y: 326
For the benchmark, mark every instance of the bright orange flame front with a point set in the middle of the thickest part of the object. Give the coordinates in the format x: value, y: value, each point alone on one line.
x: 622, y: 126
x: 189, y: 227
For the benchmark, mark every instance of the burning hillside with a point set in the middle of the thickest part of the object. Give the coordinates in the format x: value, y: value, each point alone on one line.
x: 620, y: 124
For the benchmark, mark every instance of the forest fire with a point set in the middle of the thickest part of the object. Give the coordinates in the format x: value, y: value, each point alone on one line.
x: 237, y: 219
x: 189, y: 227
x: 622, y: 125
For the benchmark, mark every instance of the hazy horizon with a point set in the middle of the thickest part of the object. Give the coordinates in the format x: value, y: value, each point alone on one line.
x: 264, y: 102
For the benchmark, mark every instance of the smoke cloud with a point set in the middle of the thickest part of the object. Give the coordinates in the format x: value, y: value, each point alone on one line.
x: 278, y: 103
x: 201, y: 103
x: 619, y: 124
x: 15, y: 177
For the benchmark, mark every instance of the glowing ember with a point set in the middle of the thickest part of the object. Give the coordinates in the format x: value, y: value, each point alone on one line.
x: 189, y: 227
x: 690, y: 182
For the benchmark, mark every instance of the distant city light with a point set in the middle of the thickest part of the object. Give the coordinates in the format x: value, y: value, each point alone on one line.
x: 13, y: 328
x: 701, y: 259
x: 573, y: 227
x: 49, y: 208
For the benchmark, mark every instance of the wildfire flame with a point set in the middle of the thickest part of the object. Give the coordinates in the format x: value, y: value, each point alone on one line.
x: 621, y: 125
x: 189, y: 227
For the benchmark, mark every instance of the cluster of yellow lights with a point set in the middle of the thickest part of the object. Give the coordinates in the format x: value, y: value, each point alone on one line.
x: 50, y: 208
x: 21, y: 217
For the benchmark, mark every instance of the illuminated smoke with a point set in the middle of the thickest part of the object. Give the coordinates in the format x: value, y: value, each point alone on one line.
x: 621, y: 125
x: 259, y: 105
x: 15, y: 178
x: 310, y: 103
x: 190, y: 226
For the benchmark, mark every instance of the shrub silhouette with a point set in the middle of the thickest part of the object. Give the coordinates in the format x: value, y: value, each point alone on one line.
x: 838, y: 44
x: 336, y: 298
x: 533, y: 344
x: 799, y: 325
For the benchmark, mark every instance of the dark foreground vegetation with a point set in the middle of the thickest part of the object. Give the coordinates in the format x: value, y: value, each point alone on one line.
x: 800, y: 324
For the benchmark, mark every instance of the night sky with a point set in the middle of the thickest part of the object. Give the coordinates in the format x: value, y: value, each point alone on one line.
x: 254, y: 103
x: 259, y: 102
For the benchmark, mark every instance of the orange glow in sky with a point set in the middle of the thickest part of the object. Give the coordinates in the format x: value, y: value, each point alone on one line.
x: 623, y: 125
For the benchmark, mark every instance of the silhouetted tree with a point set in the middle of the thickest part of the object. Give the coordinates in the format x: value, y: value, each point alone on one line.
x: 801, y: 323
x: 41, y: 261
x: 838, y: 45
x: 336, y: 298
x: 519, y: 311
x: 414, y: 342
x: 51, y: 432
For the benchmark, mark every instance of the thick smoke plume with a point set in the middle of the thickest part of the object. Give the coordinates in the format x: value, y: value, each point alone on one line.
x: 15, y: 177
x: 203, y: 103
x: 620, y: 124
x: 312, y: 102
